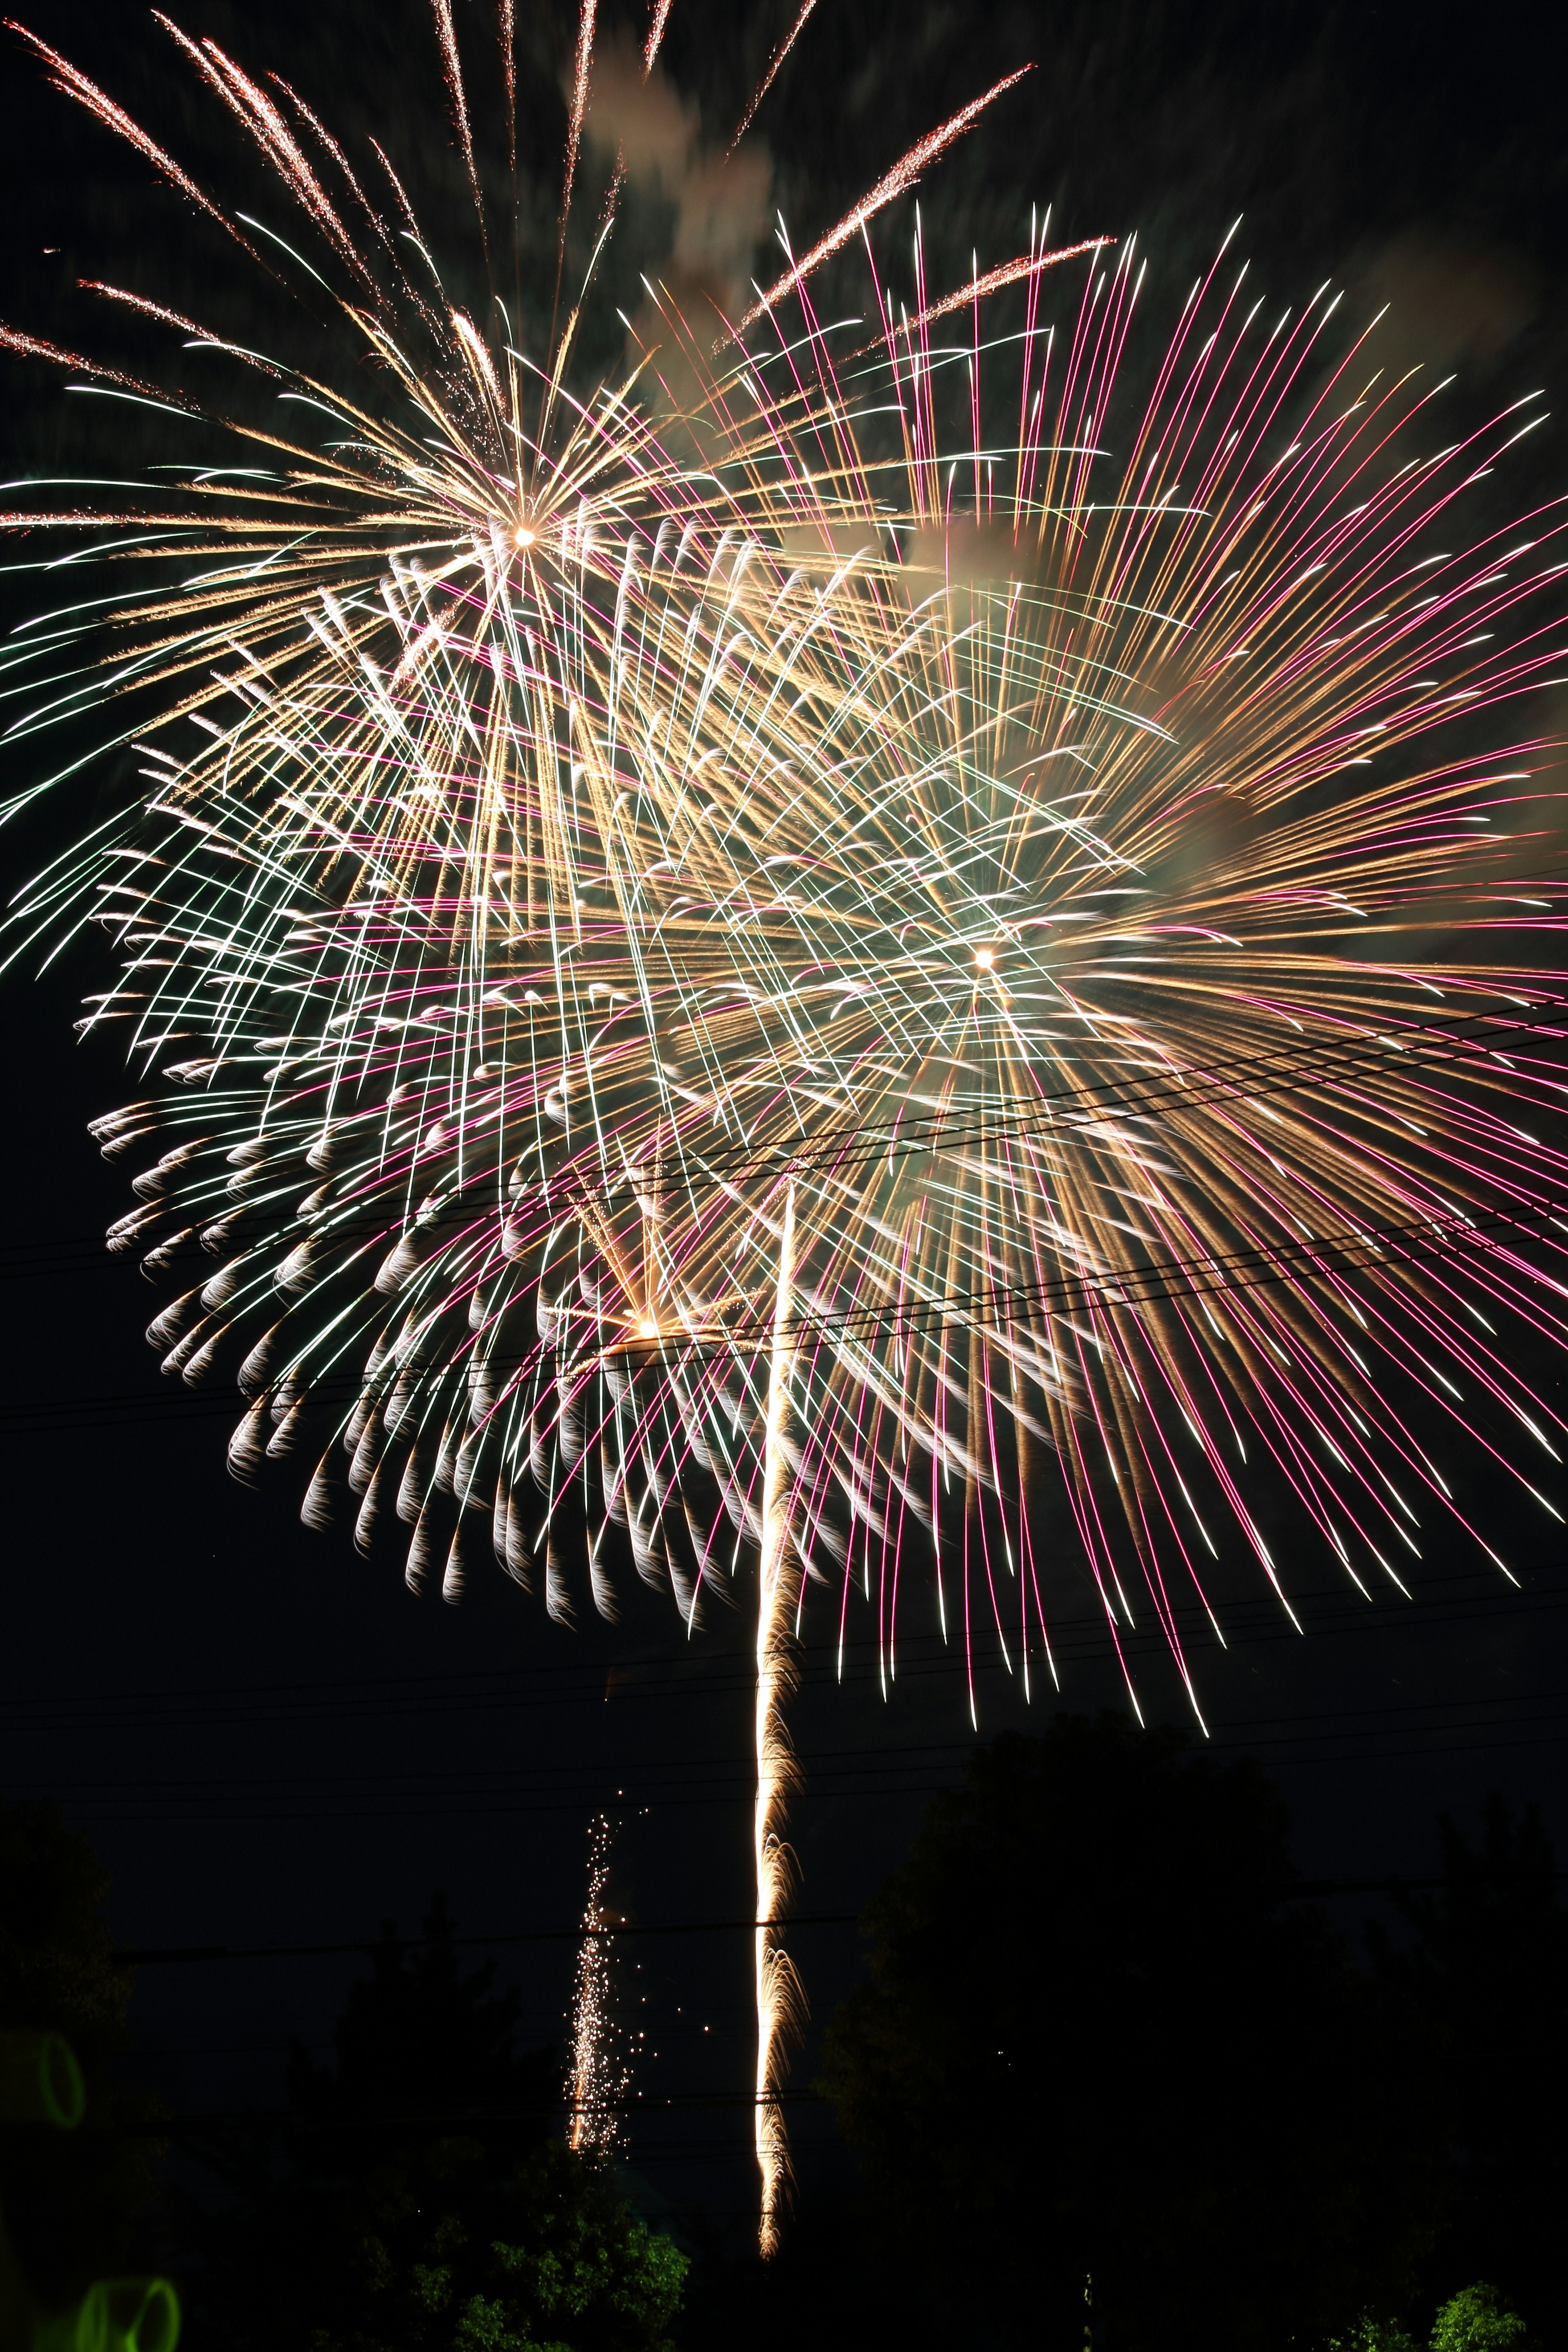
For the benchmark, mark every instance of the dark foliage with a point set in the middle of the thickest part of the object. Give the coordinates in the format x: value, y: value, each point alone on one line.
x: 1099, y: 2043
x: 412, y: 2199
x: 71, y: 2200
x: 421, y: 2046
x: 438, y: 2255
x: 1489, y: 1972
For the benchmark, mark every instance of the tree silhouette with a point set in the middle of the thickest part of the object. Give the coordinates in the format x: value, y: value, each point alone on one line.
x: 412, y: 2199
x: 1490, y: 1970
x: 71, y: 2200
x: 1100, y: 2042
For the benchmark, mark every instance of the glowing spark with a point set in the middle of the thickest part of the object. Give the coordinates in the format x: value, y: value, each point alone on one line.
x: 893, y: 184
x: 330, y: 145
x: 33, y: 347
x: 76, y: 85
x: 140, y: 302
x: 1007, y: 273
x: 656, y: 22
x: 601, y: 2072
x: 253, y: 107
x: 452, y: 65
x: 506, y: 27
x: 766, y: 83
x: 578, y: 104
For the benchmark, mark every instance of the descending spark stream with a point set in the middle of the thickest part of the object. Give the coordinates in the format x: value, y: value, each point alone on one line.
x: 780, y: 1998
x: 1061, y: 817
x: 600, y: 2071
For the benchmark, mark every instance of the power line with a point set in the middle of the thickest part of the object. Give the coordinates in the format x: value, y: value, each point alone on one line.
x: 1303, y: 1890
x: 1251, y: 1074
x: 1240, y: 1073
x: 670, y: 1673
x: 627, y: 2104
x: 569, y: 1662
x: 1208, y: 1272
x: 836, y: 1764
x: 1233, y: 1270
x: 180, y: 1953
x: 1416, y: 1239
x: 459, y: 1698
x: 729, y: 1794
x: 725, y: 1790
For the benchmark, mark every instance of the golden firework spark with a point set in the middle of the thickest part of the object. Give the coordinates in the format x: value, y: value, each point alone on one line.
x: 928, y: 950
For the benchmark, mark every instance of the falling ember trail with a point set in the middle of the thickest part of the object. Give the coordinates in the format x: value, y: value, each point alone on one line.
x: 599, y: 2073
x: 577, y: 108
x: 896, y: 182
x: 779, y: 1999
x: 766, y: 83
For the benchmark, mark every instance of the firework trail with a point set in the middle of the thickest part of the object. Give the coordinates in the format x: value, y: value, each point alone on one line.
x: 904, y: 175
x: 656, y: 22
x: 774, y: 62
x: 452, y: 65
x: 940, y: 952
x: 601, y: 2072
x: 779, y: 1999
x: 577, y: 107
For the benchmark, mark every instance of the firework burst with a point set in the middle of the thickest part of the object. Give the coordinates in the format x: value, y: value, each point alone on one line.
x: 806, y: 951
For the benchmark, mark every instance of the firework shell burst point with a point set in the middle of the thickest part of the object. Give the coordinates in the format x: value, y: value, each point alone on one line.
x: 925, y: 948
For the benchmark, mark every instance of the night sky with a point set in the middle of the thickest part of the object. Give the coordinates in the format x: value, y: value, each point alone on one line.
x: 269, y: 1740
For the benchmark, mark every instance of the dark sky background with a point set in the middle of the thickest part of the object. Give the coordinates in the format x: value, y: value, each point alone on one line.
x: 269, y: 1740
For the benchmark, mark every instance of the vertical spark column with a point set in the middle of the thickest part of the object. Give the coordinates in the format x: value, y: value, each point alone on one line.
x: 779, y: 1997
x: 599, y: 2074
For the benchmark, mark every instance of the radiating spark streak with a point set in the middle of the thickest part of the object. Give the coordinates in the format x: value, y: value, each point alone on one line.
x: 76, y: 85
x: 990, y: 281
x: 175, y: 319
x: 894, y: 183
x: 778, y: 1989
x: 140, y: 302
x: 320, y: 131
x: 658, y: 19
x: 506, y: 29
x: 255, y: 111
x: 577, y: 103
x: 33, y: 347
x: 452, y: 67
x: 774, y: 62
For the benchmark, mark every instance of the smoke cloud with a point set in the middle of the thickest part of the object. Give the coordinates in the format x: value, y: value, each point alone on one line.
x: 721, y: 208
